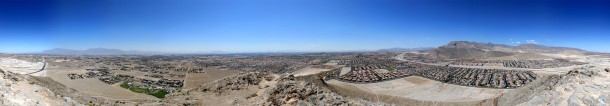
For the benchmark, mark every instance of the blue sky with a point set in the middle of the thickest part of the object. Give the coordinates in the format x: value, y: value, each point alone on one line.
x: 297, y: 25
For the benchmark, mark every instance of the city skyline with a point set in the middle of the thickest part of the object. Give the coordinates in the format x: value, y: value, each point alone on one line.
x: 312, y: 25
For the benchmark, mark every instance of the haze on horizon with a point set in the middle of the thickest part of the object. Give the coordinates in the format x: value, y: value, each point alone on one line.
x: 296, y: 25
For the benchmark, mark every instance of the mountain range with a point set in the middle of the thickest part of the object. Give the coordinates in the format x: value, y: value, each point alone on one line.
x: 105, y: 51
x: 453, y: 50
x: 96, y: 51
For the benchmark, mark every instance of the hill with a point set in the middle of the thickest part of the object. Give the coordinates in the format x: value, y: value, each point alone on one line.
x: 477, y: 50
x: 397, y: 49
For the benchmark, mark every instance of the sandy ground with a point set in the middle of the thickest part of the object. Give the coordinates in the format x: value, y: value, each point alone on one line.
x: 94, y: 87
x: 381, y: 70
x: 309, y: 71
x: 423, y: 89
x: 345, y: 70
x: 332, y: 62
x: 522, y: 56
x: 579, y: 58
x: 193, y: 80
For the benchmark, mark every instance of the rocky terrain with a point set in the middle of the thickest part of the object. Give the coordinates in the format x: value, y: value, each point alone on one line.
x: 585, y: 86
x: 16, y: 89
x: 264, y: 89
x: 477, y: 50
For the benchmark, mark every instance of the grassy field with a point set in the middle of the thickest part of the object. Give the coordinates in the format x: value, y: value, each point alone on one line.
x: 391, y: 69
x: 159, y: 93
x: 139, y: 90
x: 125, y: 85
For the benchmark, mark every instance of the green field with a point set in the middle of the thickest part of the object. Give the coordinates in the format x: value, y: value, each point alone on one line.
x: 159, y: 93
x: 125, y: 85
x: 391, y: 69
x: 139, y: 90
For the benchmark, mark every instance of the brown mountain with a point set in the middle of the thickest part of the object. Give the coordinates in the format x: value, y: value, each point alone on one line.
x: 478, y: 50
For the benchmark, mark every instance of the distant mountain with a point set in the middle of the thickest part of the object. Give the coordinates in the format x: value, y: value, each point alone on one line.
x: 95, y: 51
x: 477, y: 45
x: 60, y: 51
x: 397, y: 49
x: 472, y: 50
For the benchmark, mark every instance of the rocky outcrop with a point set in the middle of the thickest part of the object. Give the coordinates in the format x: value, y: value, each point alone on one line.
x: 239, y: 82
x: 469, y: 50
x: 586, y: 86
x: 236, y: 89
x: 256, y: 88
x: 18, y: 90
x: 478, y: 50
x: 292, y: 92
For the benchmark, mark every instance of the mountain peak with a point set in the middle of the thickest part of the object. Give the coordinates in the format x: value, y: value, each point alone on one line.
x: 469, y: 44
x: 530, y: 44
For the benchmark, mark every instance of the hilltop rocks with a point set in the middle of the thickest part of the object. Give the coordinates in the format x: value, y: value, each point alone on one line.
x: 292, y: 92
x: 586, y: 86
x: 17, y: 89
x: 279, y: 91
x: 238, y: 82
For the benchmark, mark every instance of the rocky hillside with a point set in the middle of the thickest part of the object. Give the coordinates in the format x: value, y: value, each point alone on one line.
x: 477, y: 50
x: 17, y: 90
x: 469, y: 50
x: 586, y: 86
x: 255, y: 88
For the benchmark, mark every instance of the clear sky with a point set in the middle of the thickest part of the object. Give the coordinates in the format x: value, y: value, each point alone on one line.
x: 297, y: 25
